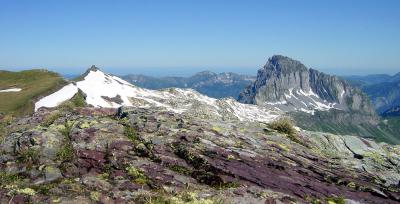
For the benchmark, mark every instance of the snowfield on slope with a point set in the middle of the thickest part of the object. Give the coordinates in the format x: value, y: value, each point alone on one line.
x: 10, y: 90
x: 299, y: 100
x: 104, y: 90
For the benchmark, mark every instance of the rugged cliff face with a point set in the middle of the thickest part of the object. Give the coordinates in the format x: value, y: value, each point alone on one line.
x: 288, y: 85
x: 316, y: 101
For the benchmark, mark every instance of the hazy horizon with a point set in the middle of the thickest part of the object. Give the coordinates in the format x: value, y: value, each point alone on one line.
x: 182, y: 71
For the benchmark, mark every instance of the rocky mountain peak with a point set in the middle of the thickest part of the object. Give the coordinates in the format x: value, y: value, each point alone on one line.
x: 283, y: 64
x: 286, y: 84
x: 93, y: 68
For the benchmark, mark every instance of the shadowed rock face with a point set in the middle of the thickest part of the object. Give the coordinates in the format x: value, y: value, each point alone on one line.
x: 131, y: 154
x: 288, y: 85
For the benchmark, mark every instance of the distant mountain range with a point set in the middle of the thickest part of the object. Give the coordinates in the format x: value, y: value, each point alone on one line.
x: 214, y: 85
x: 384, y: 90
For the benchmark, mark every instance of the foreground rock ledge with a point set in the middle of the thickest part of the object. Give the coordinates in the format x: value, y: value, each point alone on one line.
x: 133, y: 155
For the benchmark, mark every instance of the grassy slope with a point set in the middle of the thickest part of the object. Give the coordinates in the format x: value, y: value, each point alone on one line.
x: 34, y: 83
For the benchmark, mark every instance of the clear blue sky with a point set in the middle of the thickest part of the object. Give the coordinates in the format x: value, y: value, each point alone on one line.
x: 178, y: 37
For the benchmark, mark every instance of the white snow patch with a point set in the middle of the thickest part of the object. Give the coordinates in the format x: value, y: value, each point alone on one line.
x: 251, y: 112
x: 342, y: 94
x: 56, y: 98
x: 11, y: 90
x: 309, y: 93
x: 276, y: 103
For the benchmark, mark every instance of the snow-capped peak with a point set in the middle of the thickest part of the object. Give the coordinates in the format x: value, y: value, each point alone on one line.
x: 104, y: 90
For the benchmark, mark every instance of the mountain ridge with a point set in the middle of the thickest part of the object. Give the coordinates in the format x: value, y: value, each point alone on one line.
x: 225, y: 84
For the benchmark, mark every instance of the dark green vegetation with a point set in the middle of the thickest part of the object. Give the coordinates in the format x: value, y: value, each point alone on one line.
x: 336, y: 122
x: 34, y: 84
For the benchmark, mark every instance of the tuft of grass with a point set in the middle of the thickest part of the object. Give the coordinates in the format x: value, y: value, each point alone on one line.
x: 49, y: 120
x: 137, y: 175
x: 34, y: 84
x: 285, y: 126
x: 131, y: 134
x: 66, y: 152
x: 29, y: 155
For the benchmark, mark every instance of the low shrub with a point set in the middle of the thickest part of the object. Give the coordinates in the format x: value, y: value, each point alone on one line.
x: 285, y: 126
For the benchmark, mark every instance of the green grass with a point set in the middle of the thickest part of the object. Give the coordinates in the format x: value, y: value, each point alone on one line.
x: 131, y: 134
x: 34, y: 83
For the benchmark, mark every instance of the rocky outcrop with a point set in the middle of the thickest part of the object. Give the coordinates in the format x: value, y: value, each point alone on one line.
x: 137, y: 155
x: 287, y: 84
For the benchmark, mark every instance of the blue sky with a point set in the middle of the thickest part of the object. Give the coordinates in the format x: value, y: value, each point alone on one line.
x: 181, y: 37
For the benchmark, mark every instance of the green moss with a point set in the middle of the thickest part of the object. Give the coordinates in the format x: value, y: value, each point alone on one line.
x: 351, y: 185
x: 376, y: 157
x: 137, y: 175
x: 216, y: 129
x: 94, y: 196
x: 335, y: 200
x: 230, y: 157
x: 84, y: 124
x: 283, y: 147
